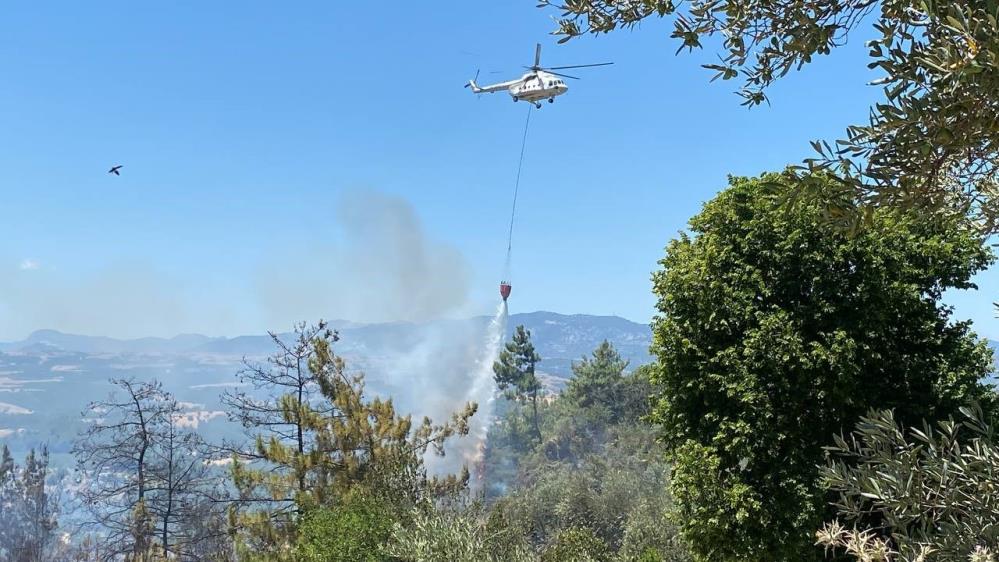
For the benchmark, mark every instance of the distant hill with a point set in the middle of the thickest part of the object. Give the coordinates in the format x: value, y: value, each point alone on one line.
x: 559, y: 339
x: 47, y: 378
x: 100, y: 344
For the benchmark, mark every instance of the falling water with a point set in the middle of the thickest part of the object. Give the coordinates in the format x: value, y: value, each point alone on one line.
x: 482, y: 391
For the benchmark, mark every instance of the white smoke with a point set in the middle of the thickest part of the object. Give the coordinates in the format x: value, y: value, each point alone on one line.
x: 483, y: 392
x: 436, y: 372
x: 383, y: 267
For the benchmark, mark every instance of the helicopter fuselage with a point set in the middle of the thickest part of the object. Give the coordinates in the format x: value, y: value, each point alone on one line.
x: 532, y: 87
x: 540, y: 83
x: 537, y: 86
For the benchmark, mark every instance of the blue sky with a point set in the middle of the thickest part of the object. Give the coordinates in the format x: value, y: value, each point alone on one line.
x: 248, y: 131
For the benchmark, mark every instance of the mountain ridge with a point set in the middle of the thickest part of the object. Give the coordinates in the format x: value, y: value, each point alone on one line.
x: 541, y: 321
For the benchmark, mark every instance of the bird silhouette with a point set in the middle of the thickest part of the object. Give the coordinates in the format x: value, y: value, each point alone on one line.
x: 114, y: 170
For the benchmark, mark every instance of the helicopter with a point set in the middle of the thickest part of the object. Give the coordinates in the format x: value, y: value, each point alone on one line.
x: 538, y: 84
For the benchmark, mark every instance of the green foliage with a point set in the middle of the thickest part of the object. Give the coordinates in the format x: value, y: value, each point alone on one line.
x: 27, y: 510
x: 776, y: 330
x: 457, y: 533
x: 315, y: 448
x: 515, y: 369
x: 937, y: 127
x: 648, y: 534
x: 354, y: 530
x: 598, y: 384
x: 598, y: 491
x: 577, y: 544
x: 932, y: 492
x: 598, y: 474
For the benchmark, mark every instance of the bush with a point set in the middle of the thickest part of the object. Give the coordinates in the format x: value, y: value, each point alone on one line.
x: 457, y: 533
x: 577, y: 544
x: 929, y: 494
x: 353, y: 531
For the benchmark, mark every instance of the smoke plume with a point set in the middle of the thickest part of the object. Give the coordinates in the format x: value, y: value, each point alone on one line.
x: 384, y: 268
x: 377, y: 265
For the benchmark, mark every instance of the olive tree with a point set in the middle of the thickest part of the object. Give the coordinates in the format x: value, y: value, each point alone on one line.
x: 935, y: 131
x: 915, y: 494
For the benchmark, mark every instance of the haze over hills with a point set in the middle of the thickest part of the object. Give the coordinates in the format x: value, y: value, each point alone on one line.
x: 49, y: 377
x: 558, y: 337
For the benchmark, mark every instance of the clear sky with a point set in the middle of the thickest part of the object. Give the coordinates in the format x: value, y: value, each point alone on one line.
x: 311, y: 159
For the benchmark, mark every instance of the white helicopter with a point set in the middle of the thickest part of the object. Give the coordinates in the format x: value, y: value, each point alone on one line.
x: 538, y: 84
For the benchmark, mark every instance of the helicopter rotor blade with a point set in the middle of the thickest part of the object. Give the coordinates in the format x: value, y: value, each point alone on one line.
x: 563, y: 75
x: 537, y: 55
x: 578, y: 66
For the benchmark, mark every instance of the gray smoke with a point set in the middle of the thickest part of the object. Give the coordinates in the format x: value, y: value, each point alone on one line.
x: 380, y: 268
x: 384, y: 268
x: 372, y: 262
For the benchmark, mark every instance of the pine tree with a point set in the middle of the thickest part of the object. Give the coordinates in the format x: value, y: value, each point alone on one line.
x: 27, y: 511
x: 9, y: 504
x: 38, y: 510
x: 318, y: 438
x: 598, y: 383
x: 515, y: 368
x: 6, y: 463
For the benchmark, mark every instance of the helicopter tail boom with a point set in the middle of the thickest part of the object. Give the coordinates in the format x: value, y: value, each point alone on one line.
x: 501, y: 87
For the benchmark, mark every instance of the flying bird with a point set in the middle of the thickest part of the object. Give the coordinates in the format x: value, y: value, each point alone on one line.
x: 114, y: 170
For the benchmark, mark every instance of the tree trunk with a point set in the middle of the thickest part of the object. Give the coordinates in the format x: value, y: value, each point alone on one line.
x: 534, y: 405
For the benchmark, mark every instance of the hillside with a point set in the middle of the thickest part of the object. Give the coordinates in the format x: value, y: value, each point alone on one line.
x: 47, y: 379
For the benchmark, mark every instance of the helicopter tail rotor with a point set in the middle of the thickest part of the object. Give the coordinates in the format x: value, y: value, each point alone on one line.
x: 472, y: 81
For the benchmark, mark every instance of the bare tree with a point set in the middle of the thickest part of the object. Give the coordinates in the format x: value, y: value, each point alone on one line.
x: 147, y: 477
x: 285, y: 395
x: 115, y: 454
x: 180, y: 481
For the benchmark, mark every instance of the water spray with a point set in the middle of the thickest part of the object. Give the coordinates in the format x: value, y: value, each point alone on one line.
x: 483, y: 392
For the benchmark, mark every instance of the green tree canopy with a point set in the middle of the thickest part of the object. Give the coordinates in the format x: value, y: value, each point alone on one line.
x: 515, y: 370
x: 598, y: 382
x: 27, y: 509
x: 776, y: 331
x: 936, y: 129
x: 311, y: 454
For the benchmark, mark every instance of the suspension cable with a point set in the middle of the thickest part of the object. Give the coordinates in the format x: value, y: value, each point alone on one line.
x: 516, y: 187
